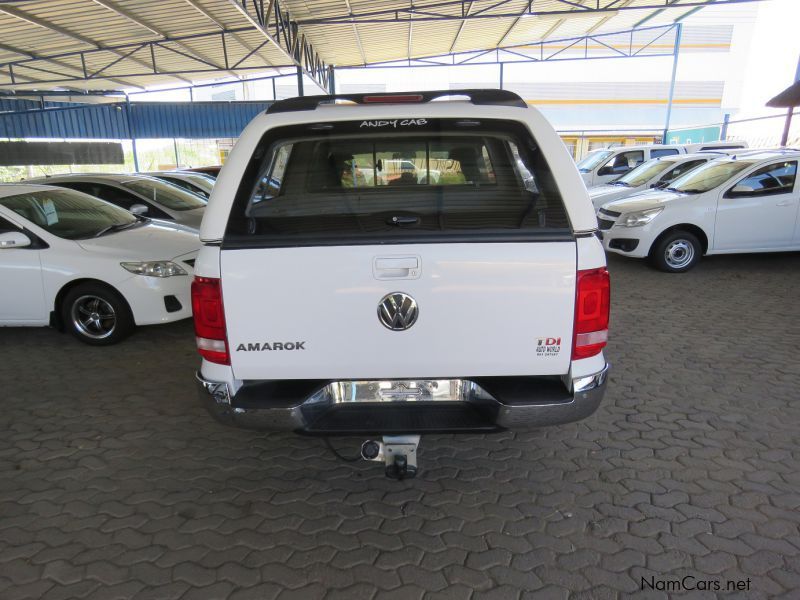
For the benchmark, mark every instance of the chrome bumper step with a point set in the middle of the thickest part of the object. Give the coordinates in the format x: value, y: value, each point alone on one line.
x: 405, y: 407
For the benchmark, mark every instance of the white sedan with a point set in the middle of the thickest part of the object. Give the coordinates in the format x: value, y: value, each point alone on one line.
x: 743, y: 203
x: 70, y: 260
x: 197, y: 183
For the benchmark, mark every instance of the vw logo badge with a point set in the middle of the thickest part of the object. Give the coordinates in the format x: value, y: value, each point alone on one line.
x: 397, y: 311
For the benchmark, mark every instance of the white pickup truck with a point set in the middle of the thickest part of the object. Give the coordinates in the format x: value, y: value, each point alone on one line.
x: 604, y: 165
x: 478, y: 302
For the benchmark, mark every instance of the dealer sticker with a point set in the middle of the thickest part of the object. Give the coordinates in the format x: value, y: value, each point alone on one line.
x: 548, y: 346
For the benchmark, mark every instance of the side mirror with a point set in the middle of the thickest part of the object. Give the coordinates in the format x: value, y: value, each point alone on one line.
x: 742, y: 189
x: 139, y: 209
x: 607, y: 170
x: 14, y: 239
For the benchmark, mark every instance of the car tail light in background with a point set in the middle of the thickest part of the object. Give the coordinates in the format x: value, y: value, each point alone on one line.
x: 592, y: 308
x: 209, y: 320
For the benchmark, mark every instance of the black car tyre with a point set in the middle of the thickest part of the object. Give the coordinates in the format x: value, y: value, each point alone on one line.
x: 676, y: 252
x: 96, y: 314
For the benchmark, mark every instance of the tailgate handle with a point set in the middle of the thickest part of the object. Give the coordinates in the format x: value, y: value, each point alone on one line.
x: 396, y: 267
x: 402, y: 220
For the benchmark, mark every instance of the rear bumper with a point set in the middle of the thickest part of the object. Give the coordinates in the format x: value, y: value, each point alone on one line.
x: 483, y: 404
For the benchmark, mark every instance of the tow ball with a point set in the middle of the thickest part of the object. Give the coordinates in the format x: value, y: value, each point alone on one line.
x: 398, y: 453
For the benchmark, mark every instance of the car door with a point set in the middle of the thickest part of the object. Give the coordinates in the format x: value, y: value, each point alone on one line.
x: 22, y: 289
x: 760, y: 210
x: 618, y: 165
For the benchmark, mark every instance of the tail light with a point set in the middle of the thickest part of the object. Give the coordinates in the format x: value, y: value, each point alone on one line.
x: 592, y: 307
x: 209, y: 320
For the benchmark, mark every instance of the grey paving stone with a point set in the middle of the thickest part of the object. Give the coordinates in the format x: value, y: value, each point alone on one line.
x: 114, y: 485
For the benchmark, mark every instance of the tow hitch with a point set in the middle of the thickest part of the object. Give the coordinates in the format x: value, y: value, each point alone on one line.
x: 397, y: 452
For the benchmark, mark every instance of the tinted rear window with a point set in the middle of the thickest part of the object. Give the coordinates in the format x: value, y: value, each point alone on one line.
x: 431, y: 181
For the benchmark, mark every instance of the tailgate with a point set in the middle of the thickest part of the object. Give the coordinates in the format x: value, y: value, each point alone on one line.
x: 483, y: 309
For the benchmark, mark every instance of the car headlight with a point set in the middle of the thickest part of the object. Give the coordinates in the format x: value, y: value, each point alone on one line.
x: 639, y: 218
x: 154, y: 268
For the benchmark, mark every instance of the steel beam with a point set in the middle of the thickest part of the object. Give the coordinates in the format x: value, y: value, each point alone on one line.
x: 535, y: 52
x: 140, y: 22
x: 33, y: 20
x: 460, y: 28
x: 358, y: 37
x: 443, y: 10
x: 514, y: 23
x: 287, y: 38
x: 242, y: 42
x: 33, y: 56
x: 410, y: 33
x: 40, y: 63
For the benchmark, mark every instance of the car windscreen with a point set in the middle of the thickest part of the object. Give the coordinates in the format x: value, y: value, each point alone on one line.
x: 708, y: 176
x: 644, y: 173
x: 69, y: 214
x: 428, y: 182
x: 594, y: 158
x: 165, y: 194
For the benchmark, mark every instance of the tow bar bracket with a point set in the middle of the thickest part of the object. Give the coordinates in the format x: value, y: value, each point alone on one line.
x: 398, y: 453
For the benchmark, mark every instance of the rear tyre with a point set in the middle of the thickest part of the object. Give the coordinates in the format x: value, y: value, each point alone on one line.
x: 96, y: 314
x: 676, y: 252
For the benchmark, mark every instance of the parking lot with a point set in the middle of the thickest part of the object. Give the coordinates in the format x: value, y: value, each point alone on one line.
x: 114, y: 483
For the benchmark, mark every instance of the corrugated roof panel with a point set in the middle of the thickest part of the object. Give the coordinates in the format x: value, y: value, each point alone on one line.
x: 433, y: 38
x: 336, y: 44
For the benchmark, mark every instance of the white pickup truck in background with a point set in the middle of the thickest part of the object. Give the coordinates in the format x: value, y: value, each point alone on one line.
x: 475, y: 301
x: 603, y: 165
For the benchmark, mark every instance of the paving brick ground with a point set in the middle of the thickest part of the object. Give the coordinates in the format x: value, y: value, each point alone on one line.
x: 115, y: 484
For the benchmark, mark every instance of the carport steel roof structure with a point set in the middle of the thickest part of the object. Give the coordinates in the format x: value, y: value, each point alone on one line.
x: 84, y: 45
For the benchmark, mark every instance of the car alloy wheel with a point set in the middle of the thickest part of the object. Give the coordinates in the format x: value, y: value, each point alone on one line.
x: 93, y: 317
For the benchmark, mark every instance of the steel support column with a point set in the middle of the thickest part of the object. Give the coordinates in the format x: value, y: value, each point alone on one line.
x: 788, y: 124
x: 131, y: 132
x: 676, y: 53
x: 300, y: 82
